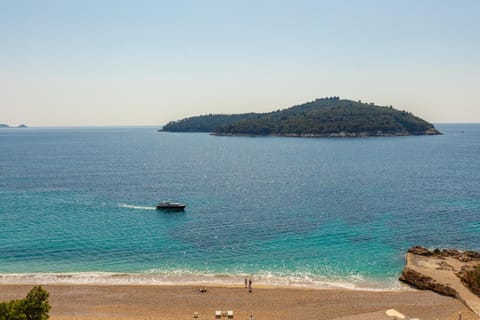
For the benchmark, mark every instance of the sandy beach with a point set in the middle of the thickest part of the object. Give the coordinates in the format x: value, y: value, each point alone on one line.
x: 85, y: 302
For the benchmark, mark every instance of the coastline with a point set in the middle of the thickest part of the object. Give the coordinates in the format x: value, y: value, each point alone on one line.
x: 180, y: 278
x: 342, y: 134
x: 169, y: 302
x: 449, y: 272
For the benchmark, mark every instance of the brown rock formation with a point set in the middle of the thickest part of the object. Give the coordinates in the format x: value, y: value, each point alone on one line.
x: 421, y: 281
x: 449, y: 272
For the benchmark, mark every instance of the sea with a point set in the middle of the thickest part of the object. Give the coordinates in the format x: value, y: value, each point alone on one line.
x: 77, y: 205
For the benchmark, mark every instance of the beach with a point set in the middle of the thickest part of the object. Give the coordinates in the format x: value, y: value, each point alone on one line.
x: 86, y: 302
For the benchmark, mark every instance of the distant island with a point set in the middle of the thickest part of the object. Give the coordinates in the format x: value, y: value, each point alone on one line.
x: 2, y: 125
x: 326, y: 117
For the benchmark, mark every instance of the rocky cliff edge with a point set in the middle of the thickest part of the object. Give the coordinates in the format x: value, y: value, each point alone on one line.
x: 448, y: 272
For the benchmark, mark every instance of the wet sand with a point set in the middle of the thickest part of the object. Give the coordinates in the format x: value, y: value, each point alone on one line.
x: 86, y: 302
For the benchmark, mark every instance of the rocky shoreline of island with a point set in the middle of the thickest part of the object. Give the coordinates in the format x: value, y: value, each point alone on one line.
x: 342, y: 134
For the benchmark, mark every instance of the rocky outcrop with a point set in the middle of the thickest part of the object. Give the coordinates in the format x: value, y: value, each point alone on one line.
x: 447, y: 271
x: 421, y: 251
x: 463, y: 256
x: 421, y: 281
x: 470, y: 277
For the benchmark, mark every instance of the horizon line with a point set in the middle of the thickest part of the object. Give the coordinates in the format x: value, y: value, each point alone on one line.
x: 159, y: 125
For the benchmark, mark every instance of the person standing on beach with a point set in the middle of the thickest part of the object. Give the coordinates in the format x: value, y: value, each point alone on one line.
x: 245, y: 282
x: 250, y: 285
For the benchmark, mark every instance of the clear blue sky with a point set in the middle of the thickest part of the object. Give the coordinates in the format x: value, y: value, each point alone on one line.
x: 148, y: 62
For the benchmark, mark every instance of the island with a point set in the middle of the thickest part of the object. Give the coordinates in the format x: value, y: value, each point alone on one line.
x: 449, y: 272
x: 3, y: 125
x: 326, y: 117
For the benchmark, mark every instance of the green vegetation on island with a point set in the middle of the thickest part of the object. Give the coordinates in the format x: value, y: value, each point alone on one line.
x: 34, y: 306
x: 322, y: 117
x: 206, y: 123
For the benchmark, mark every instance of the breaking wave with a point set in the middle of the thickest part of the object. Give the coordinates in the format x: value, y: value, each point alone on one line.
x: 180, y: 277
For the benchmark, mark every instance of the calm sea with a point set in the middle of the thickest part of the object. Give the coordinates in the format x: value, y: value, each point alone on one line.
x: 77, y: 205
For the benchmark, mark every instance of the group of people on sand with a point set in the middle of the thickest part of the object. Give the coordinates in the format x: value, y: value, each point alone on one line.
x: 248, y: 284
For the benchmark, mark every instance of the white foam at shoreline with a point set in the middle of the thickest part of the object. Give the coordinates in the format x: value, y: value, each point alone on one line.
x: 185, y: 278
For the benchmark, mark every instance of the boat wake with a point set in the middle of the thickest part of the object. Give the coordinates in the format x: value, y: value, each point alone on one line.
x: 129, y: 206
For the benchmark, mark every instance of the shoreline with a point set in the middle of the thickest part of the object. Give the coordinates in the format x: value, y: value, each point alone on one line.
x: 444, y: 271
x: 169, y: 302
x: 342, y: 134
x: 191, y: 279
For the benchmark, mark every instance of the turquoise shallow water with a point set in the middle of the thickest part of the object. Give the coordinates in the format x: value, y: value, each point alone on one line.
x: 77, y: 204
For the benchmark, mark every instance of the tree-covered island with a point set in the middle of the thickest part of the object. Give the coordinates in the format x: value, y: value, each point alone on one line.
x: 326, y: 117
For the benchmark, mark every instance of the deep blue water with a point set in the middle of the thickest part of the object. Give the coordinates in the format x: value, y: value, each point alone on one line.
x: 285, y: 210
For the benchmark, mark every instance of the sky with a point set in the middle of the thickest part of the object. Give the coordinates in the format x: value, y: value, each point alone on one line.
x: 95, y: 63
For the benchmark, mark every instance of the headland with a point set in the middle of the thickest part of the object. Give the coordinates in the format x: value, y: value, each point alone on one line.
x: 448, y: 272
